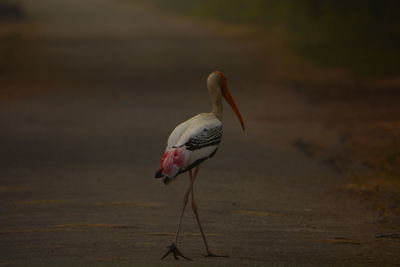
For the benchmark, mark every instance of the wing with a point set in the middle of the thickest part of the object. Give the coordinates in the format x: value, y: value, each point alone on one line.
x: 207, y: 137
x: 198, y: 140
x: 177, y: 133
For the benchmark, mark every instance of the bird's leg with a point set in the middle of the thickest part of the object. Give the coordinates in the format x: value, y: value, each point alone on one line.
x: 173, y: 248
x: 185, y: 200
x: 194, y: 207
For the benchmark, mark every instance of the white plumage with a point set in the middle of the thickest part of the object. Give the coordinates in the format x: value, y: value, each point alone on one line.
x: 191, y: 128
x: 189, y: 144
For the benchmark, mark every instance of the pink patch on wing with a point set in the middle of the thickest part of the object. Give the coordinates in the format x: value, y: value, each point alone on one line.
x: 173, y: 160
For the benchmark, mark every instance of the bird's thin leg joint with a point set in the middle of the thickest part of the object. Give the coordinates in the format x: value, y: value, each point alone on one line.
x: 194, y: 208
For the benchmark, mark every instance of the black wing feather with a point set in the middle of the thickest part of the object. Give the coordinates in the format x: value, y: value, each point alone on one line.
x: 208, y: 137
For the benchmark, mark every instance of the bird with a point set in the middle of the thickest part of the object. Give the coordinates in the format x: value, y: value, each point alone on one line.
x: 190, y: 144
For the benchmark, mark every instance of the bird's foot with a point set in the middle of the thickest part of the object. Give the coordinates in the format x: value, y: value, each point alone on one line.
x: 175, y: 252
x: 210, y: 254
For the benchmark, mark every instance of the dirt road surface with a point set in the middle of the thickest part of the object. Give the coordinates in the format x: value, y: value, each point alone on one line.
x: 85, y: 114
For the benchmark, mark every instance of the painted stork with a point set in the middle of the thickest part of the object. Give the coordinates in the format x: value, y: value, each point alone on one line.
x: 193, y: 142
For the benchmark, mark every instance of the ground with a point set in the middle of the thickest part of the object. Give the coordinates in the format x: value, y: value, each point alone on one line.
x: 90, y: 93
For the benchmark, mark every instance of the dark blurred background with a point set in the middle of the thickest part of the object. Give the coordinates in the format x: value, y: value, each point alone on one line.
x: 362, y: 36
x: 90, y: 90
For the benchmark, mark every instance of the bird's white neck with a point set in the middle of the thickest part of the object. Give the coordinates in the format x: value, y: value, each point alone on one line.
x: 217, y: 108
x: 214, y: 90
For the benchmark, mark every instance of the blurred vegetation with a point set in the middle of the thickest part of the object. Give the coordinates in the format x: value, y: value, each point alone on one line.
x: 377, y: 149
x: 360, y: 35
x: 9, y: 10
x: 10, y: 37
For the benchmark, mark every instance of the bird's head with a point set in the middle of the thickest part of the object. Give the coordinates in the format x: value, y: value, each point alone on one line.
x: 217, y: 81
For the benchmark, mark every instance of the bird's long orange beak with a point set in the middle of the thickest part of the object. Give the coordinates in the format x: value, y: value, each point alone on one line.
x: 231, y: 101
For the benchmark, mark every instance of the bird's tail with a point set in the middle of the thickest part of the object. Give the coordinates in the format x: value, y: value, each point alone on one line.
x: 172, y: 163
